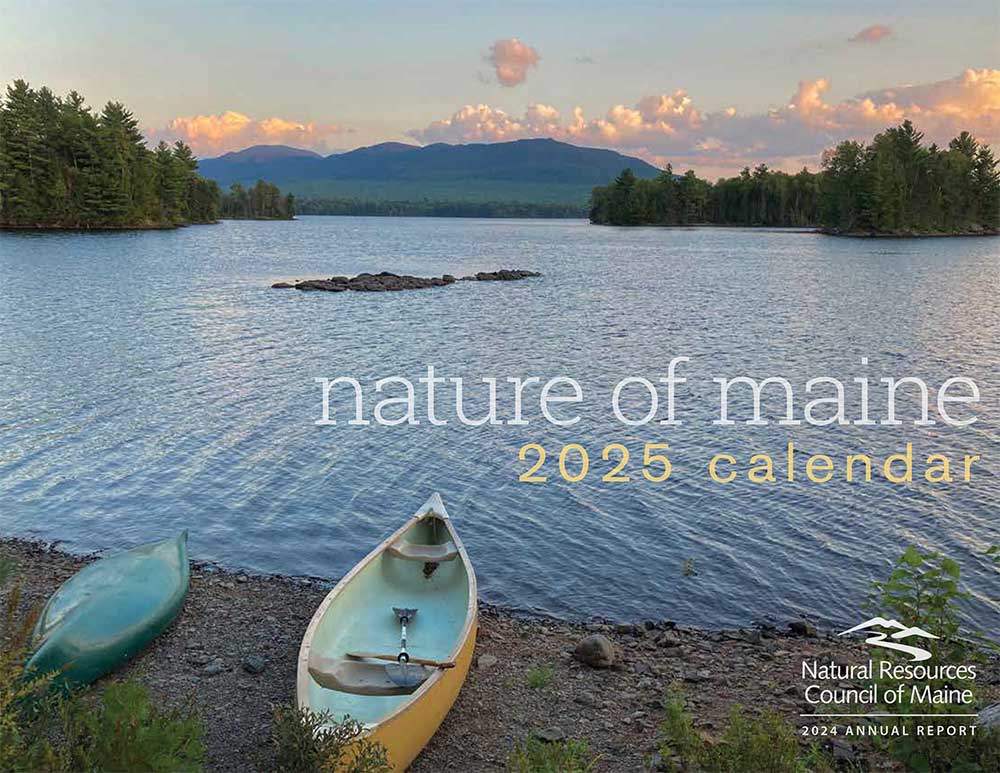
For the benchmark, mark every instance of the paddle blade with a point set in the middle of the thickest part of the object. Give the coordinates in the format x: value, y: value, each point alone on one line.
x: 405, y: 675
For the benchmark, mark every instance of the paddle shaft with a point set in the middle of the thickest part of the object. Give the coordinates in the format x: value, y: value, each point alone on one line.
x: 415, y: 661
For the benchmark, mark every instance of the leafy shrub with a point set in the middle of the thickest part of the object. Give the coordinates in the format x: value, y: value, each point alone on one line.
x: 309, y: 742
x: 127, y: 731
x: 760, y: 743
x: 536, y: 756
x: 22, y: 745
x: 923, y: 590
x: 43, y: 730
x: 679, y: 736
x: 540, y: 676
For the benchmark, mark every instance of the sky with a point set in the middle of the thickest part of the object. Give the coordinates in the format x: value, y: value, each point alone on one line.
x: 711, y: 85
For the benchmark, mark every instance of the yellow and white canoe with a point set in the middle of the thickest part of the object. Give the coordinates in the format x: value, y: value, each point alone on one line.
x: 423, y: 566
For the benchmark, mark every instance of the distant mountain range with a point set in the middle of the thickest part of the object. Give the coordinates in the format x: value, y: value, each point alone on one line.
x: 529, y: 171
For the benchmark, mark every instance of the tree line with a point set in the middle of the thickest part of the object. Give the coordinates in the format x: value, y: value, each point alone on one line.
x: 62, y: 165
x: 427, y: 208
x: 261, y: 202
x: 892, y: 185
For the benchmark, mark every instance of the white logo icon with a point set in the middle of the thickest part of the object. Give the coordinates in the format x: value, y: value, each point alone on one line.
x: 882, y: 639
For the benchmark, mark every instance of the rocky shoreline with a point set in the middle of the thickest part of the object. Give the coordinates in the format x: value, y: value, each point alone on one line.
x: 232, y: 654
x: 386, y: 281
x: 906, y: 234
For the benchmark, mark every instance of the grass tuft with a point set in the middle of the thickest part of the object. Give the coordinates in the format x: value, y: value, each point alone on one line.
x: 540, y: 677
x: 536, y: 756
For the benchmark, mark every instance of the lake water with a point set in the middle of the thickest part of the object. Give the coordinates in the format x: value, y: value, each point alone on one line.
x: 152, y: 381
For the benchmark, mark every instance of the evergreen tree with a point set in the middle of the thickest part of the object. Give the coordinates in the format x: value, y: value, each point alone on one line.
x: 892, y: 185
x: 63, y: 166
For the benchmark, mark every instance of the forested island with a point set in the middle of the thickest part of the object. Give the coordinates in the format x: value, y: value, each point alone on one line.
x: 892, y: 186
x: 261, y: 202
x: 64, y: 166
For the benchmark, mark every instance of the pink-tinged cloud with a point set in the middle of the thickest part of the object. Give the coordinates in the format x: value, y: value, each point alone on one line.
x: 511, y: 59
x: 872, y: 34
x: 214, y: 134
x: 668, y: 127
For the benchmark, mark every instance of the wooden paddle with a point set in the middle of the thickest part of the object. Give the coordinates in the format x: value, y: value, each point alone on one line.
x: 394, y: 658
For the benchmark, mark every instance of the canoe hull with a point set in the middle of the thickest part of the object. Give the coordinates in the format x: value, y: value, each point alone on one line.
x: 357, y: 616
x: 407, y: 733
x: 109, y: 611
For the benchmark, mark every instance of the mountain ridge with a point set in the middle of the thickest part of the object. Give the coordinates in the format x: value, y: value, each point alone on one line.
x: 532, y: 171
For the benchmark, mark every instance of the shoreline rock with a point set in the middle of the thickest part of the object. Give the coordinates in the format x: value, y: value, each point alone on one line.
x: 386, y: 281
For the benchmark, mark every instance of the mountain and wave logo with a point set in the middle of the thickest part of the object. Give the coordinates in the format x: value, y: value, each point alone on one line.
x: 889, y: 637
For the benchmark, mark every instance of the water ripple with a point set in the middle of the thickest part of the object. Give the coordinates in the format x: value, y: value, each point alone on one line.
x: 151, y: 382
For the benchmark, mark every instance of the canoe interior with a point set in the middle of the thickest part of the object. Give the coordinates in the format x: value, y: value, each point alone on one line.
x: 360, y: 619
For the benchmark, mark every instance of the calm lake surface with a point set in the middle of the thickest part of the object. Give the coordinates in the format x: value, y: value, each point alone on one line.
x: 152, y: 381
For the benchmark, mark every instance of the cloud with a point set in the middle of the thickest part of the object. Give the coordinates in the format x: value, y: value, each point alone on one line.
x: 511, y: 59
x: 584, y: 59
x: 669, y: 127
x: 872, y: 34
x: 223, y: 132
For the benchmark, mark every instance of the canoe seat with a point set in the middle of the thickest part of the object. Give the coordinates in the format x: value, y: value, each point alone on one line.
x: 360, y: 677
x: 428, y: 554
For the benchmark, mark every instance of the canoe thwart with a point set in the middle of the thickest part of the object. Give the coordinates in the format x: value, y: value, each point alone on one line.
x: 411, y: 551
x: 360, y: 678
x: 417, y: 661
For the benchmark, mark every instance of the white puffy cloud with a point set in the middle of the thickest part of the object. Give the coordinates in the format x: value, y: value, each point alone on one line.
x: 511, y: 60
x: 668, y: 127
x: 222, y: 132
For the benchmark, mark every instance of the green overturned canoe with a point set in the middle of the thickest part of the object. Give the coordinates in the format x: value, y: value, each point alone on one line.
x: 108, y: 611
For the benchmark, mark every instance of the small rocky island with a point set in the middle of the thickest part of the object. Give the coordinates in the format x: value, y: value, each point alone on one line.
x: 388, y: 282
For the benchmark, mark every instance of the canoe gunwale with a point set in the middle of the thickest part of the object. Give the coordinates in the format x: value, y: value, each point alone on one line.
x: 433, y: 507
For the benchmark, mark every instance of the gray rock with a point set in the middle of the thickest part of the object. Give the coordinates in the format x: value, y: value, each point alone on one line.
x: 596, y: 651
x: 990, y: 717
x: 487, y: 662
x: 254, y: 664
x: 386, y: 281
x: 550, y: 735
x: 802, y: 628
x: 214, y: 668
x: 842, y: 751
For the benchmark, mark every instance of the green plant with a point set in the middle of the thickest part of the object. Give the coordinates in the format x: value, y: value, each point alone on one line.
x: 759, y: 743
x: 22, y: 745
x: 536, y: 756
x: 923, y: 590
x: 540, y: 676
x: 679, y: 736
x: 309, y: 742
x: 126, y: 730
x: 47, y: 730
